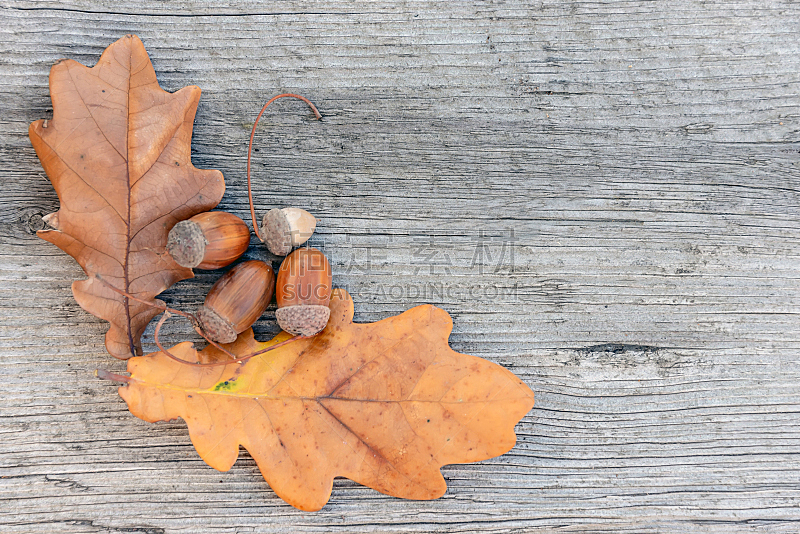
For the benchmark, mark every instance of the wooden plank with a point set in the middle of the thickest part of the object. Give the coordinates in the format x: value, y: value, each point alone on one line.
x: 604, y: 195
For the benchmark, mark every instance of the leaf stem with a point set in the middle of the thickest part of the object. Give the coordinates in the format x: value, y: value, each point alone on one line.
x: 107, y: 375
x: 250, y: 150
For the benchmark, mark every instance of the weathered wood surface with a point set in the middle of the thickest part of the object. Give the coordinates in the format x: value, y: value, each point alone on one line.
x: 604, y: 195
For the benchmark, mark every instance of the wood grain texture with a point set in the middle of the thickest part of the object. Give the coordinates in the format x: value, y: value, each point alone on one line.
x: 604, y: 195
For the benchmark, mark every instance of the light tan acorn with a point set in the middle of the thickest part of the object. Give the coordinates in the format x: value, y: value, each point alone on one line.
x: 304, y: 292
x: 208, y: 240
x: 283, y: 229
x: 236, y: 301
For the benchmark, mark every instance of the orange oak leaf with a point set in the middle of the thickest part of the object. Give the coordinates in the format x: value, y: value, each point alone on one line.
x: 385, y: 404
x: 118, y: 152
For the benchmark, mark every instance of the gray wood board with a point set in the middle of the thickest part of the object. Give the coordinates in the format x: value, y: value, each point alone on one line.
x: 604, y: 196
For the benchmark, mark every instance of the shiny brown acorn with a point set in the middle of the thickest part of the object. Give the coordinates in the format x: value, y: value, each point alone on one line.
x: 283, y: 229
x: 236, y: 301
x: 304, y: 292
x: 208, y: 240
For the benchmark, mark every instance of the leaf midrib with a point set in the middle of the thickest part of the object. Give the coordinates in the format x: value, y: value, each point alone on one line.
x: 266, y: 396
x: 125, y: 263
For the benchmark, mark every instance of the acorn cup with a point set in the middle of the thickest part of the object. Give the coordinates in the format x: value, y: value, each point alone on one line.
x: 304, y: 292
x: 236, y: 301
x: 208, y: 240
x: 283, y: 229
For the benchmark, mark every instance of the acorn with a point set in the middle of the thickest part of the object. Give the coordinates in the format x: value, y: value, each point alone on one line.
x: 236, y: 301
x: 304, y: 292
x: 283, y: 229
x: 208, y: 240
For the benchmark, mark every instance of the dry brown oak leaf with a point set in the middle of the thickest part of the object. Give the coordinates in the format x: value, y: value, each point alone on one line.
x: 385, y: 404
x: 118, y: 152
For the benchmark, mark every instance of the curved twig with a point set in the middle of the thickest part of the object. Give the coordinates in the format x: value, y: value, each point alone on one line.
x: 250, y: 150
x: 124, y: 293
x: 234, y: 359
x: 196, y: 324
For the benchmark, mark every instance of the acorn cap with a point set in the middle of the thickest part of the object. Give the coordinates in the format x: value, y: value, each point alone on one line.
x: 303, y: 320
x: 282, y: 229
x: 186, y: 244
x: 215, y: 326
x: 275, y: 232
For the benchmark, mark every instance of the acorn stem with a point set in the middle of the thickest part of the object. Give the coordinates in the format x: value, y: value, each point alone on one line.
x: 167, y: 311
x: 250, y: 149
x: 214, y: 364
x: 166, y: 315
x: 137, y: 299
x: 199, y: 330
